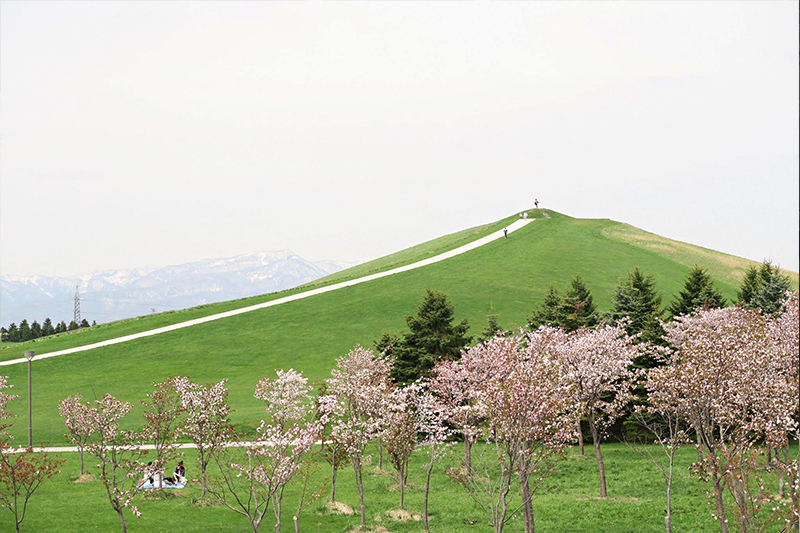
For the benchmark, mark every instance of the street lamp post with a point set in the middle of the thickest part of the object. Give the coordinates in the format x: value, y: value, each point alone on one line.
x: 29, y: 357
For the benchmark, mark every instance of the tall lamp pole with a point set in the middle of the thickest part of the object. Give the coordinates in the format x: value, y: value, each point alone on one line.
x: 29, y: 357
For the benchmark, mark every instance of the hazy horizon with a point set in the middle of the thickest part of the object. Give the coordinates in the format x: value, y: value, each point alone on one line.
x: 152, y: 134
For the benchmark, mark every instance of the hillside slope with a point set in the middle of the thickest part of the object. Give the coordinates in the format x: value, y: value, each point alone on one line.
x: 509, y: 275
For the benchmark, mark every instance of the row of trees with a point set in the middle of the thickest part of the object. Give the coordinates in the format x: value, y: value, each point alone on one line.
x: 433, y: 334
x: 728, y: 378
x: 34, y: 330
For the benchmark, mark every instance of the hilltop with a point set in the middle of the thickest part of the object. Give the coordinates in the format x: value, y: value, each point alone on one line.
x: 506, y: 275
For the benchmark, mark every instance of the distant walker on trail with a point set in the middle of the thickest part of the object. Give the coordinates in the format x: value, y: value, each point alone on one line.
x: 536, y: 203
x: 505, y: 233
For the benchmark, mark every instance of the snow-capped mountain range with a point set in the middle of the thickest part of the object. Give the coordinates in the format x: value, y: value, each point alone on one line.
x: 115, y: 294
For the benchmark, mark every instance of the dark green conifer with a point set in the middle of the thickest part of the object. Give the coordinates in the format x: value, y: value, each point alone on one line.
x: 24, y: 331
x: 47, y: 327
x: 578, y: 308
x: 433, y: 336
x: 636, y: 300
x: 698, y: 292
x: 550, y: 313
x: 492, y: 327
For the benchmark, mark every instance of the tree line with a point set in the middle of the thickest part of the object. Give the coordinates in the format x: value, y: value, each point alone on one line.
x: 433, y: 335
x: 34, y: 330
x: 729, y: 377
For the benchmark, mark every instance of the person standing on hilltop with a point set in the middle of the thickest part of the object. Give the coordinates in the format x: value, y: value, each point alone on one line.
x: 536, y: 203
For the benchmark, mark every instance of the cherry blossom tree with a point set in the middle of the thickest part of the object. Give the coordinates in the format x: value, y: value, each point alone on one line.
x: 597, y: 363
x: 276, y: 455
x: 21, y: 471
x: 357, y: 387
x: 530, y: 415
x: 662, y: 420
x: 399, y: 432
x: 724, y: 378
x: 287, y: 396
x: 21, y: 474
x: 163, y: 411
x: 432, y: 433
x: 206, y: 422
x: 73, y: 411
x: 118, y: 451
x: 785, y: 337
x: 254, y: 486
x: 452, y: 383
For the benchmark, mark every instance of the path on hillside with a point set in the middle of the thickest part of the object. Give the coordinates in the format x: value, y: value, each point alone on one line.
x: 299, y: 296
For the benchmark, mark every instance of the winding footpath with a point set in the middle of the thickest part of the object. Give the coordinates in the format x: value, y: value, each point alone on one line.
x: 278, y: 301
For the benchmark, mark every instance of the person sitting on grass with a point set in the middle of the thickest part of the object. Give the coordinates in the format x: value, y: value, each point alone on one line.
x: 178, y: 475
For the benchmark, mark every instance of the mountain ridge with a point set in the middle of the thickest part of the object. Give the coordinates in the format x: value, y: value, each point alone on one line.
x: 114, y: 294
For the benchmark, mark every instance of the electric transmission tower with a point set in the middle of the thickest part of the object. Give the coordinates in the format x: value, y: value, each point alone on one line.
x: 76, y: 314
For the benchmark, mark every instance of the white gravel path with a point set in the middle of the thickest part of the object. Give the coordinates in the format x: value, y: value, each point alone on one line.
x: 299, y: 296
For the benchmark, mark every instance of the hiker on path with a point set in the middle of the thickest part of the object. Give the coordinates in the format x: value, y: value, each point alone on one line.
x: 505, y: 232
x: 536, y: 203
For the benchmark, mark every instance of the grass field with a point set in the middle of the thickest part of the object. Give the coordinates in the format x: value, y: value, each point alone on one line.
x: 508, y: 275
x: 566, y: 503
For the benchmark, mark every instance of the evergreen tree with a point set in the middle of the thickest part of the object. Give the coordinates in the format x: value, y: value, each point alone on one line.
x: 551, y: 311
x: 84, y: 323
x: 47, y: 327
x: 61, y: 327
x: 13, y: 333
x: 433, y: 336
x: 748, y: 288
x: 764, y: 288
x: 578, y: 308
x: 386, y: 344
x: 771, y: 290
x: 72, y: 325
x: 3, y: 334
x: 493, y: 329
x: 36, y: 330
x: 698, y: 292
x: 24, y: 331
x: 635, y: 298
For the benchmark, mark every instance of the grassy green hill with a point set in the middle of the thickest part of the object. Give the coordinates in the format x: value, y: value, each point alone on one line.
x: 509, y: 275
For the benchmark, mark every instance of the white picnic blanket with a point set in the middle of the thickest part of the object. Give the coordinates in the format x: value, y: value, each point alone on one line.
x: 165, y: 486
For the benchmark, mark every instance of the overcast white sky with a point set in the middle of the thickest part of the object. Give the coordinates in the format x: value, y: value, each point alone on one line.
x: 150, y: 133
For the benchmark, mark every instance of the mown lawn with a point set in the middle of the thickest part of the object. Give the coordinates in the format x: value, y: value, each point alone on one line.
x: 508, y: 276
x: 567, y: 502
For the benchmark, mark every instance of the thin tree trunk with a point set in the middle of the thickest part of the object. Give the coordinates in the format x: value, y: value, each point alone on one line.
x: 781, y: 484
x: 202, y: 473
x: 360, y: 487
x: 468, y: 453
x: 668, y: 518
x: 80, y: 454
x: 580, y: 439
x: 16, y: 512
x: 296, y: 525
x: 402, y: 486
x: 427, y: 491
x: 380, y: 454
x: 333, y: 483
x: 277, y: 505
x: 721, y: 516
x: 122, y: 521
x: 527, y: 503
x: 599, y: 456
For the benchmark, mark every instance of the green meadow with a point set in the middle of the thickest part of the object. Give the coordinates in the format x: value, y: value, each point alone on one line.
x: 566, y: 502
x: 507, y: 277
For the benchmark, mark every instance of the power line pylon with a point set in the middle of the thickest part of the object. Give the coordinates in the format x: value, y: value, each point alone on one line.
x: 76, y: 314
